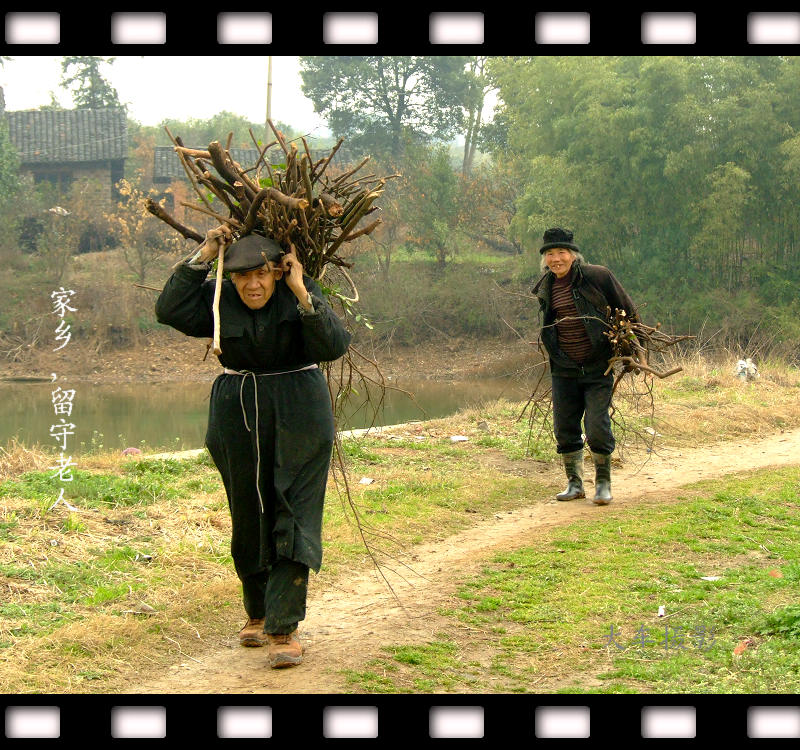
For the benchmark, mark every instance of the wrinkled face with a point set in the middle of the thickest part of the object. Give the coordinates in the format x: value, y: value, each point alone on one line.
x: 256, y: 287
x: 559, y: 260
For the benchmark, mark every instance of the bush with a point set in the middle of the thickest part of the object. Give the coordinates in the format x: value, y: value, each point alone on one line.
x: 421, y: 302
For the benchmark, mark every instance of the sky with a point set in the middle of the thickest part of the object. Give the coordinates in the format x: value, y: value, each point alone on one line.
x: 179, y: 87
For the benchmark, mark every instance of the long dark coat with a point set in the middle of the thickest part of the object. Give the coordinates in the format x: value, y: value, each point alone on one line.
x: 289, y: 416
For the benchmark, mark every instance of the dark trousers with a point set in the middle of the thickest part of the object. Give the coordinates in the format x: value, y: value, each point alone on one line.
x: 295, y: 435
x: 278, y: 595
x: 588, y: 398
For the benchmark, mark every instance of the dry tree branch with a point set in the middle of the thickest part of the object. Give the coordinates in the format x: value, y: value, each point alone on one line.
x: 634, y: 363
x: 186, y: 168
x: 159, y: 212
x: 327, y: 161
x: 217, y: 291
x: 222, y: 219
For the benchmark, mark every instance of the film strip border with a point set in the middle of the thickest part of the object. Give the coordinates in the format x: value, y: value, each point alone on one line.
x: 586, y: 720
x: 402, y: 29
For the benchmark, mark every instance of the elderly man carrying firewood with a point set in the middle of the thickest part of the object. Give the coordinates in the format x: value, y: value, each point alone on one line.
x: 270, y: 426
x: 574, y: 298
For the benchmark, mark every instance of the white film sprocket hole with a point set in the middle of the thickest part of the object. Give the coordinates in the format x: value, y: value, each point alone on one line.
x: 33, y: 28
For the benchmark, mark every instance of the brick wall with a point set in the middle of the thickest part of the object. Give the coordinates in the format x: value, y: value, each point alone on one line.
x: 91, y: 180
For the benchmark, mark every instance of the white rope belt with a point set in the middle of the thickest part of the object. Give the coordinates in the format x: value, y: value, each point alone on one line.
x: 228, y: 371
x: 244, y: 374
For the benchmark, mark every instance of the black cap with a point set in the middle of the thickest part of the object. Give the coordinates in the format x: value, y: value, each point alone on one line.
x: 558, y: 237
x: 251, y: 252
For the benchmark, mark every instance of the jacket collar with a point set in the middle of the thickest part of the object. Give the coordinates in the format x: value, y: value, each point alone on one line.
x: 545, y: 283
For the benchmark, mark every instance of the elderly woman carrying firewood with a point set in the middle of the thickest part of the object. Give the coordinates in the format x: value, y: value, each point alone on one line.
x: 270, y: 426
x: 574, y: 299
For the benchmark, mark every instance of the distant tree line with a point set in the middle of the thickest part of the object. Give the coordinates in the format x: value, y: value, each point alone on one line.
x: 681, y: 172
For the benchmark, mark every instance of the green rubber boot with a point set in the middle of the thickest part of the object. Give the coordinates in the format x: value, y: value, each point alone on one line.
x: 602, y: 479
x: 573, y: 465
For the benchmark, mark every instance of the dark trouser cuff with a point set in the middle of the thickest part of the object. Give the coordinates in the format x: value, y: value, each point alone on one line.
x: 278, y: 595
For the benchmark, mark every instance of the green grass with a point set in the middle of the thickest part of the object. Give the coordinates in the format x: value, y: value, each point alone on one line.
x: 160, y: 467
x: 105, y: 576
x: 72, y: 523
x: 432, y: 491
x: 91, y: 490
x: 6, y: 527
x: 358, y: 454
x: 140, y: 483
x: 552, y: 607
x: 532, y: 613
x: 424, y: 488
x: 437, y: 665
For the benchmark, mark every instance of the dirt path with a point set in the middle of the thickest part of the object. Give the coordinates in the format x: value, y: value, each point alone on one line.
x: 348, y: 624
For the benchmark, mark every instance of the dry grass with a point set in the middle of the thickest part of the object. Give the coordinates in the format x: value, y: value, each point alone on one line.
x: 707, y: 402
x: 16, y: 458
x: 103, y: 650
x: 72, y: 582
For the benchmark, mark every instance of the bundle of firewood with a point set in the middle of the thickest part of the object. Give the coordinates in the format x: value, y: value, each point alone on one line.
x: 299, y: 203
x: 633, y: 344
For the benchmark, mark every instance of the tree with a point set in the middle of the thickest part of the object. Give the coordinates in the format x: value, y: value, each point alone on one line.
x: 433, y: 211
x: 143, y: 240
x: 380, y: 103
x: 198, y: 133
x: 722, y: 215
x: 9, y: 165
x: 9, y: 158
x: 490, y: 194
x: 681, y: 173
x: 386, y: 238
x: 479, y: 84
x: 90, y: 89
x: 54, y: 105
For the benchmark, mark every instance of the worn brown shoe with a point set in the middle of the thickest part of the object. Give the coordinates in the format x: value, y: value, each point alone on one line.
x: 284, y: 650
x: 252, y: 634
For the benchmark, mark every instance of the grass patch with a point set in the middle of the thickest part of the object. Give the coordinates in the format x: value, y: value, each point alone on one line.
x: 707, y: 399
x: 157, y: 532
x: 136, y: 483
x: 358, y: 454
x: 91, y: 490
x: 578, y: 613
x: 160, y: 467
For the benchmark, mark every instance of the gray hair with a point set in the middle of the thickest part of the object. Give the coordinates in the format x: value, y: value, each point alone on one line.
x: 576, y: 256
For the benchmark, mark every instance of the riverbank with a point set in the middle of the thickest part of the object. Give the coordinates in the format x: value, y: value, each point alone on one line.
x: 168, y: 356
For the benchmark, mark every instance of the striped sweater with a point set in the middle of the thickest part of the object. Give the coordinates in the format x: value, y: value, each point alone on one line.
x: 572, y: 337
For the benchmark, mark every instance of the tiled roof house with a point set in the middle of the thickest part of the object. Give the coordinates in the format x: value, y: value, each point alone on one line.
x: 63, y: 146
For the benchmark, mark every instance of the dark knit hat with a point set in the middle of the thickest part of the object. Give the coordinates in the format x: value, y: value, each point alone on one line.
x: 558, y: 237
x: 251, y: 252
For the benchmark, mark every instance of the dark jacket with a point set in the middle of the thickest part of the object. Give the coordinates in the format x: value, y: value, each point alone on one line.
x: 271, y: 434
x: 594, y: 288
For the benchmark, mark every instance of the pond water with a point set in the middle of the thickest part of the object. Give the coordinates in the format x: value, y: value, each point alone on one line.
x: 174, y: 416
